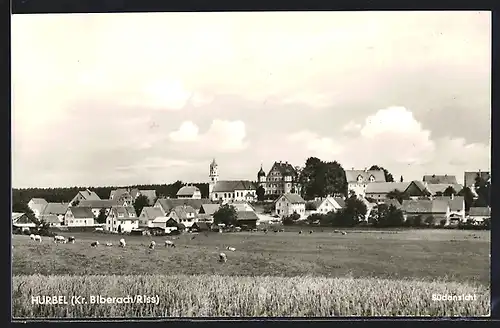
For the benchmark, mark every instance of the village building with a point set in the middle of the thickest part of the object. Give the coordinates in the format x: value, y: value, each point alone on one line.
x: 167, y: 204
x: 148, y: 215
x: 379, y: 191
x: 57, y: 209
x: 184, y: 214
x: 358, y: 180
x: 281, y: 179
x: 470, y: 178
x: 479, y: 214
x: 229, y: 190
x: 122, y: 219
x: 440, y: 179
x: 98, y: 205
x: 189, y: 192
x: 37, y: 205
x: 288, y: 204
x: 22, y: 222
x: 83, y: 195
x: 79, y: 216
x: 425, y: 209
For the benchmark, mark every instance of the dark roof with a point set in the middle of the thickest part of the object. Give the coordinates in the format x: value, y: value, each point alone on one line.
x: 168, y: 203
x: 99, y: 203
x: 209, y: 209
x: 293, y: 198
x: 455, y: 204
x: 213, y: 164
x: 55, y: 208
x: 386, y: 187
x: 150, y: 194
x: 226, y: 185
x: 392, y: 202
x: 352, y: 175
x: 339, y: 201
x: 127, y: 212
x: 247, y: 215
x: 201, y: 225
x: 187, y: 191
x: 441, y: 187
x: 21, y: 218
x: 81, y: 212
x: 470, y: 177
x: 261, y: 172
x: 480, y: 211
x: 446, y: 179
x: 151, y: 213
x: 50, y: 218
x: 285, y: 169
x: 425, y: 206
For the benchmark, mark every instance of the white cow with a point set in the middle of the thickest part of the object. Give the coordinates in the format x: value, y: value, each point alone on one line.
x: 59, y: 239
x: 109, y: 244
x: 32, y: 237
x: 152, y: 244
x: 38, y: 238
x: 232, y: 249
x: 169, y: 243
x: 222, y: 257
x: 95, y: 244
x: 122, y: 243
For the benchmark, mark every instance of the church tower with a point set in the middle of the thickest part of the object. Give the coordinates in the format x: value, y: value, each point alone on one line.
x: 213, y: 177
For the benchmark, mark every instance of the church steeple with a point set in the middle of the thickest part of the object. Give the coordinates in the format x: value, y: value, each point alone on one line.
x: 213, y: 176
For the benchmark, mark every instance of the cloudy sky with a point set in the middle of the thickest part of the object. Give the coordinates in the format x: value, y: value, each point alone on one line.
x: 117, y: 99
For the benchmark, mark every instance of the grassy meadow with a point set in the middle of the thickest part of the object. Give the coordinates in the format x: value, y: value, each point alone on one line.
x: 365, y: 272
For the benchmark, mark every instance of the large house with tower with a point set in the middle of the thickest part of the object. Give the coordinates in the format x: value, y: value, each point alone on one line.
x: 229, y: 190
x: 282, y: 179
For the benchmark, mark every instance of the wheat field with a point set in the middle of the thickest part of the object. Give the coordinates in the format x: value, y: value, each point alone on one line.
x: 239, y: 296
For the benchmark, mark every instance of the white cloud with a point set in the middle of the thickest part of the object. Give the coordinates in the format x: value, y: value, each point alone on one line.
x: 351, y: 126
x: 393, y: 138
x: 187, y: 132
x: 223, y: 135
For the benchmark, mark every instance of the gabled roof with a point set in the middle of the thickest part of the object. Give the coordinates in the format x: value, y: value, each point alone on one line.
x: 441, y: 179
x: 89, y: 195
x: 161, y: 219
x: 168, y: 203
x: 285, y: 169
x: 209, y: 209
x: 151, y: 213
x: 319, y: 202
x: 50, y: 218
x: 386, y: 187
x: 20, y: 218
x: 425, y: 206
x: 38, y: 201
x: 340, y: 201
x: 99, y: 203
x: 242, y: 206
x: 470, y: 177
x: 455, y: 204
x: 261, y: 172
x: 231, y: 186
x: 150, y: 194
x: 134, y: 192
x: 352, y: 175
x: 183, y: 210
x: 293, y: 198
x: 127, y: 212
x: 119, y: 193
x: 247, y: 215
x: 55, y: 208
x: 201, y: 225
x: 480, y: 211
x: 441, y: 187
x: 80, y: 212
x: 188, y: 191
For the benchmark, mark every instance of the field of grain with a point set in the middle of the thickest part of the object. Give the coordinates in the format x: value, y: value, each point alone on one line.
x: 283, y: 274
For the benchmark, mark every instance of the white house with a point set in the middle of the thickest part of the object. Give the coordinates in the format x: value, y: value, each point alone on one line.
x: 326, y: 205
x: 52, y: 219
x: 184, y: 214
x: 288, y: 203
x: 84, y: 195
x: 456, y: 205
x: 37, y: 205
x: 122, y: 219
x: 148, y: 216
x: 189, y: 192
x: 78, y: 216
x: 358, y: 180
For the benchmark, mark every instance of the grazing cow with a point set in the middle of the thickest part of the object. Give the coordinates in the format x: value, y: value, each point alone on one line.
x: 32, y: 237
x: 94, y: 244
x: 109, y: 244
x: 300, y: 232
x: 38, y: 238
x: 232, y: 249
x: 310, y: 231
x: 71, y: 239
x: 344, y: 233
x: 122, y: 243
x: 336, y: 231
x: 222, y: 258
x: 169, y: 243
x: 152, y: 244
x: 59, y: 239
